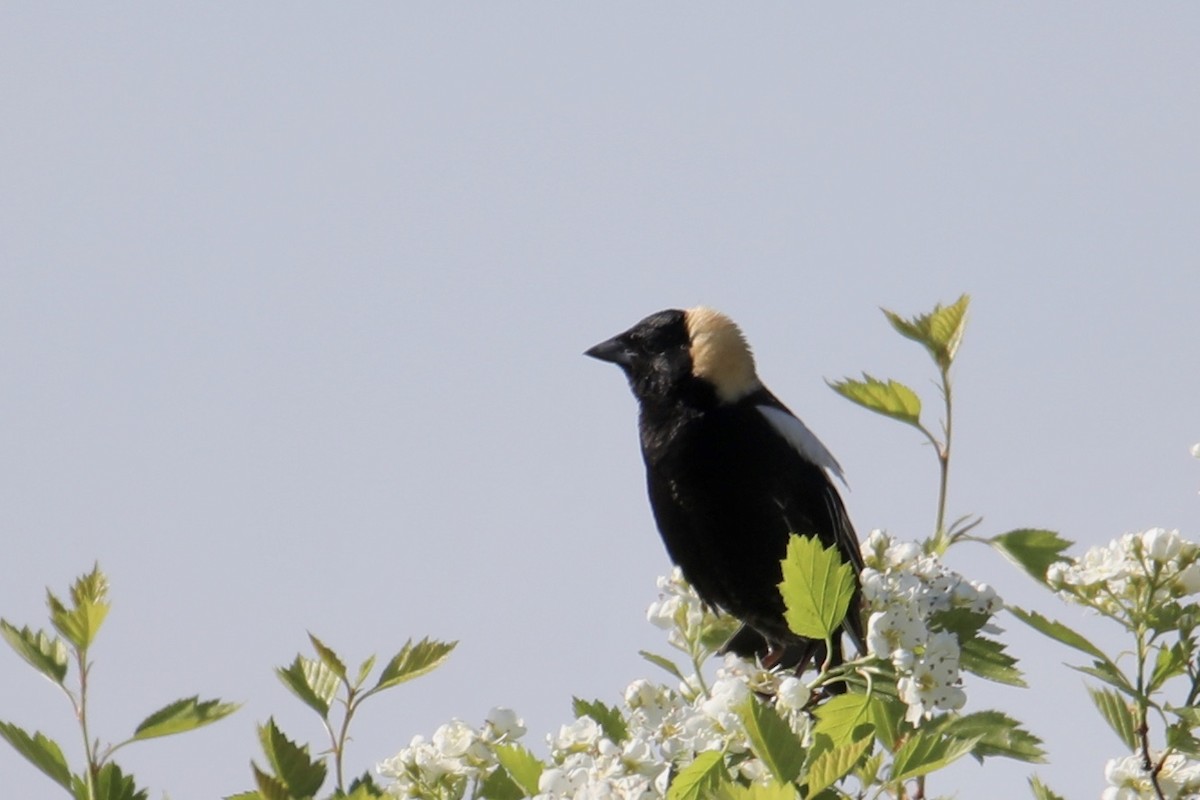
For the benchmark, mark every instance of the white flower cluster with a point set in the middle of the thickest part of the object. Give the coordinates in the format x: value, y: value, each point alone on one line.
x: 1178, y: 778
x: 904, y: 590
x: 688, y: 621
x: 665, y: 727
x: 1137, y: 571
x: 456, y: 755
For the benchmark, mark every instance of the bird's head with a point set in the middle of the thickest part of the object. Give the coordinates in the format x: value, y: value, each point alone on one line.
x: 674, y: 352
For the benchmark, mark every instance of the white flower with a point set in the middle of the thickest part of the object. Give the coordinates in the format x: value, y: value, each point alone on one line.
x: 1178, y: 777
x: 792, y: 694
x: 503, y: 725
x: 898, y: 628
x: 1161, y: 545
x: 934, y: 681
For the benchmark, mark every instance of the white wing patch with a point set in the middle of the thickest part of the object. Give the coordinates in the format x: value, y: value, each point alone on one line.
x: 804, y: 440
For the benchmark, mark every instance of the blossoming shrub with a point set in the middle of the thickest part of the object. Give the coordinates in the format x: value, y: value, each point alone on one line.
x: 752, y: 732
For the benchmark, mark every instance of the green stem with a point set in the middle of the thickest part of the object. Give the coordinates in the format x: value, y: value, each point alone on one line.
x: 92, y: 769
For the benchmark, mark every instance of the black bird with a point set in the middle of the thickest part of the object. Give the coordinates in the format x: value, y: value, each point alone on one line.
x: 731, y: 473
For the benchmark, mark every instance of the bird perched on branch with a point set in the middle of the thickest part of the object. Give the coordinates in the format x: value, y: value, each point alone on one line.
x: 731, y: 474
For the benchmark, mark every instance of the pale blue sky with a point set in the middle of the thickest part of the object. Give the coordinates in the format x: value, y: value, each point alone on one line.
x: 292, y: 302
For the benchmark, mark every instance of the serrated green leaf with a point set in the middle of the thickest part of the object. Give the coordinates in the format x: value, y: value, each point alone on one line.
x: 923, y: 753
x: 364, y: 671
x: 1170, y: 662
x: 817, y: 587
x: 413, y: 661
x: 772, y: 740
x: 521, y: 765
x: 45, y: 654
x: 269, y: 787
x: 39, y: 750
x: 1181, y: 739
x: 841, y: 715
x: 986, y: 658
x: 868, y: 772
x: 830, y: 766
x: 328, y: 657
x: 1057, y: 631
x: 663, y: 663
x: 183, y: 715
x: 963, y: 622
x: 701, y: 779
x: 755, y: 791
x: 940, y: 331
x: 1031, y: 550
x: 1040, y: 790
x: 999, y: 735
x: 1117, y: 714
x: 499, y: 785
x: 244, y: 796
x: 1109, y: 673
x: 112, y: 784
x: 365, y: 783
x: 78, y: 624
x: 291, y: 764
x: 314, y: 683
x: 890, y: 398
x: 887, y: 714
x: 607, y: 717
x: 1189, y: 715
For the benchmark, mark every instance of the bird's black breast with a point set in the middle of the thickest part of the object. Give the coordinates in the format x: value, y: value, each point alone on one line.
x: 727, y: 489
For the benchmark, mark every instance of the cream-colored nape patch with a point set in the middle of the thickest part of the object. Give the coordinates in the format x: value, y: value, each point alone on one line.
x: 720, y: 354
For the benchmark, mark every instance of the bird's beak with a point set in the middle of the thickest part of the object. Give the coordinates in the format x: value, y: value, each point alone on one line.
x: 614, y: 351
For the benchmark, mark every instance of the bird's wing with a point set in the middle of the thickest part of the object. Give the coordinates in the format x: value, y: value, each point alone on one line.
x: 789, y: 426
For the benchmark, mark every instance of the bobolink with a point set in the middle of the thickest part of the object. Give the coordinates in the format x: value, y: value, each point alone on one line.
x: 731, y: 474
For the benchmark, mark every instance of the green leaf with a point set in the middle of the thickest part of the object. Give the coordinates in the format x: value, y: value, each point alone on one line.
x: 521, y: 765
x: 1169, y: 663
x: 772, y: 739
x: 887, y: 713
x: 47, y: 655
x: 1181, y: 739
x: 986, y: 658
x: 314, y: 683
x: 499, y: 785
x: 924, y: 752
x: 40, y: 751
x: 1188, y: 715
x: 1057, y: 631
x: 963, y: 622
x: 112, y: 784
x: 413, y: 661
x: 1117, y: 714
x: 1040, y: 791
x: 999, y: 735
x: 700, y: 779
x: 1032, y: 550
x: 299, y: 774
x: 662, y: 662
x: 364, y: 671
x: 755, y: 791
x: 328, y: 657
x: 183, y: 715
x: 830, y: 766
x: 244, y: 796
x: 890, y: 398
x: 608, y: 717
x: 816, y: 588
x: 841, y: 715
x: 80, y: 623
x: 1112, y: 675
x: 940, y: 331
x: 269, y: 787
